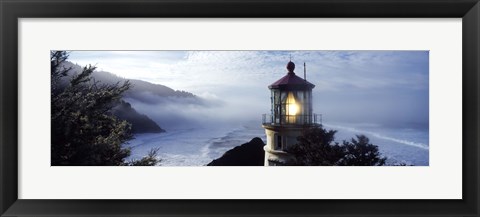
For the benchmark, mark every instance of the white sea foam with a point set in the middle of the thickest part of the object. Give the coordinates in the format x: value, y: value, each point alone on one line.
x: 378, y: 135
x: 192, y: 147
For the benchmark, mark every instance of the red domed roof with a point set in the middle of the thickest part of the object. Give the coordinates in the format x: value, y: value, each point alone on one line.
x: 291, y: 81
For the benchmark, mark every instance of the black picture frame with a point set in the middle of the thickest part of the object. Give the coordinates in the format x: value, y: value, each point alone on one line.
x: 12, y: 10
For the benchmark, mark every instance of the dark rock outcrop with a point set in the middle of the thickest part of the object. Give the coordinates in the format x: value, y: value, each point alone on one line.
x: 248, y: 154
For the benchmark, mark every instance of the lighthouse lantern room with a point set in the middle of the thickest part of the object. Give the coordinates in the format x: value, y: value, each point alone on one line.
x: 291, y: 113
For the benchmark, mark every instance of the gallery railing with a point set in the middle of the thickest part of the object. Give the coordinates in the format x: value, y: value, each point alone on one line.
x: 268, y: 119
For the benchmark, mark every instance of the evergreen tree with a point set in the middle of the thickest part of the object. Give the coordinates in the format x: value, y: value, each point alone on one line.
x: 316, y: 147
x: 149, y: 160
x: 84, y: 131
x: 360, y: 152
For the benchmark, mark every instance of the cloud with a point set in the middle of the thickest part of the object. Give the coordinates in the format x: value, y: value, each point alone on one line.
x: 382, y: 86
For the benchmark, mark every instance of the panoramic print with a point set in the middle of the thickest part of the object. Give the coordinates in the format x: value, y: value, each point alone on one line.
x: 240, y: 108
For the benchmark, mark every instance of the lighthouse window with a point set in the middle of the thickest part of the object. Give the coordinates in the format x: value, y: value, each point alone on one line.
x: 278, y: 142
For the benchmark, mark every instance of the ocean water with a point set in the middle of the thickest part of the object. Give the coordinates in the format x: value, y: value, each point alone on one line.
x: 195, y: 146
x: 199, y: 146
x: 400, y: 144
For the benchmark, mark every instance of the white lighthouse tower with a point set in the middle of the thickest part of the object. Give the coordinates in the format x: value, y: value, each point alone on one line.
x: 291, y: 113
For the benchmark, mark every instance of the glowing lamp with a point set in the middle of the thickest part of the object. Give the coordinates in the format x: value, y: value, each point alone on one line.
x: 292, y: 106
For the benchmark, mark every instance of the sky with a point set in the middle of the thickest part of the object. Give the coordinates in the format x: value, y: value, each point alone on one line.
x: 381, y: 87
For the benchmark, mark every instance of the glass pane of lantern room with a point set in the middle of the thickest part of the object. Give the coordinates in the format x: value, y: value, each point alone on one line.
x: 301, y: 104
x: 272, y: 97
x: 283, y: 111
x: 272, y: 103
x: 309, y: 106
x: 276, y: 106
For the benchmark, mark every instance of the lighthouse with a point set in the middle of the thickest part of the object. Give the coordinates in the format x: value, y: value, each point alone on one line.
x: 291, y: 113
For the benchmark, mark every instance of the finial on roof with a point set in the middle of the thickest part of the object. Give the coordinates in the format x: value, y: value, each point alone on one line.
x: 290, y: 67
